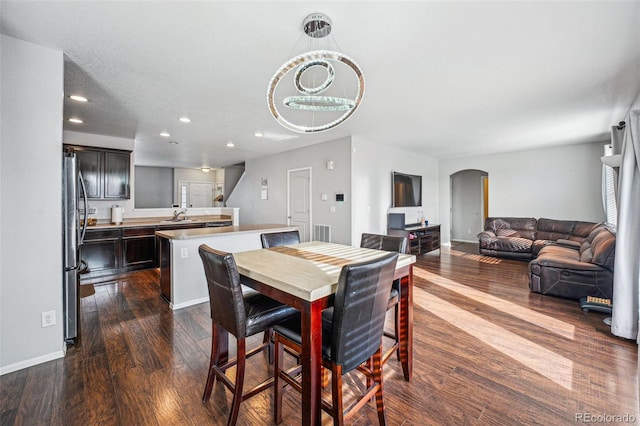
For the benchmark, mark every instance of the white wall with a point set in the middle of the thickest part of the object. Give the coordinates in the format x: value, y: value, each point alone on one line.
x: 371, y: 166
x: 253, y: 210
x: 30, y: 196
x: 558, y: 183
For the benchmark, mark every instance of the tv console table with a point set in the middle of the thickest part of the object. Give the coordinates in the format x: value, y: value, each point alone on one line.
x: 422, y: 239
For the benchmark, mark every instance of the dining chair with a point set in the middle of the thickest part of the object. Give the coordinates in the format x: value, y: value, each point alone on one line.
x: 242, y: 314
x: 351, y: 338
x: 397, y: 244
x: 274, y: 239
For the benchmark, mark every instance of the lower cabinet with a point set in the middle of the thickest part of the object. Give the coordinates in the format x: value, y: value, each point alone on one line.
x: 115, y: 250
x: 139, y: 248
x: 101, y: 249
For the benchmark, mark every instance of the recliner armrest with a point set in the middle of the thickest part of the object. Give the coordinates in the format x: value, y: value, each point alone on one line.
x: 485, y: 238
x: 486, y: 234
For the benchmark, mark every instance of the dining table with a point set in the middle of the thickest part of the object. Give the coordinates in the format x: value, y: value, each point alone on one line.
x: 304, y: 276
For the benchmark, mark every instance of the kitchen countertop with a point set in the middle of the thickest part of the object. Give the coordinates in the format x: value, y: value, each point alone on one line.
x: 157, y: 221
x: 187, y: 234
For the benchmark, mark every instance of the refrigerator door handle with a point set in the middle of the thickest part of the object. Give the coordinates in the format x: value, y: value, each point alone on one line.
x: 83, y: 267
x: 86, y: 209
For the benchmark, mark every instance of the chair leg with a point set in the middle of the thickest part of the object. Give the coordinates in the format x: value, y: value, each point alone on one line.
x: 277, y: 387
x: 237, y: 393
x: 336, y: 395
x: 211, y: 376
x: 377, y: 377
x: 396, y: 327
x: 268, y: 338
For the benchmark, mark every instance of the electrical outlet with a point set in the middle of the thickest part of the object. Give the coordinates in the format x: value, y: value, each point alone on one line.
x: 48, y: 318
x: 184, y: 252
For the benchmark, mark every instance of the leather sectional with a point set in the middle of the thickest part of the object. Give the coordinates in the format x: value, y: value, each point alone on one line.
x: 569, y: 259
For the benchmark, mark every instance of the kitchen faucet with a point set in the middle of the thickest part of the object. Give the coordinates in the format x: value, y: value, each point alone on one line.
x: 176, y: 214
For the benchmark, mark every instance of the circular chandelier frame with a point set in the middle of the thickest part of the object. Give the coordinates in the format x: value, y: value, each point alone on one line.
x: 315, y: 57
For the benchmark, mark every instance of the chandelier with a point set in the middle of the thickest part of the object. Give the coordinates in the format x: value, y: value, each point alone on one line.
x: 319, y: 89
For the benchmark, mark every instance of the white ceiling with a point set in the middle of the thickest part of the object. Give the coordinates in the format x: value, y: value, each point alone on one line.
x: 443, y: 79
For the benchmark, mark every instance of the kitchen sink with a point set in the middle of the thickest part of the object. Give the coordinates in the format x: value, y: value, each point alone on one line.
x: 177, y: 221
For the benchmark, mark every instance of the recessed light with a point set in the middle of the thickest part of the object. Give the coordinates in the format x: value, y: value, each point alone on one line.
x: 78, y: 98
x: 165, y: 134
x: 206, y: 169
x: 185, y: 119
x: 258, y: 134
x: 230, y: 145
x: 173, y: 142
x: 76, y: 120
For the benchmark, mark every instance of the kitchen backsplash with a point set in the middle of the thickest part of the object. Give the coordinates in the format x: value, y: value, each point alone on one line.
x: 103, y: 210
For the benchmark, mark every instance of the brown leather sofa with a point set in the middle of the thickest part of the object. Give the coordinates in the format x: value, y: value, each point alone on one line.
x: 568, y: 270
x: 569, y: 259
x: 523, y: 238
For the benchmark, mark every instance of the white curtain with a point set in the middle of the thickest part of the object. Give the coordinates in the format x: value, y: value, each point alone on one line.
x: 625, y: 320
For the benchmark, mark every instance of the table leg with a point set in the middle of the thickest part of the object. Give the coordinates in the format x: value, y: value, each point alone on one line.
x: 311, y: 361
x: 406, y: 324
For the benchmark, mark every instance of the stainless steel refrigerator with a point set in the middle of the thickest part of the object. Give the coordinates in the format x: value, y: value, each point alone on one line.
x: 74, y: 225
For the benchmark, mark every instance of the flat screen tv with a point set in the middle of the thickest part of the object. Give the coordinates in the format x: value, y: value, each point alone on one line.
x: 407, y: 190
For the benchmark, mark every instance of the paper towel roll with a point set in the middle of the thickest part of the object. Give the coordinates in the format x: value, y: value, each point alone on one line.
x: 116, y: 215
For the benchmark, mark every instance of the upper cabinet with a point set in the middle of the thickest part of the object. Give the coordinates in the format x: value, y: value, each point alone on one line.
x: 105, y: 172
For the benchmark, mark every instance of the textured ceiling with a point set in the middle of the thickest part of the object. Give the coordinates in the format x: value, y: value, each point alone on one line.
x: 443, y: 79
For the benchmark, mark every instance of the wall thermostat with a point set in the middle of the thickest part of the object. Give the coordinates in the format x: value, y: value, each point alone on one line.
x: 339, y: 197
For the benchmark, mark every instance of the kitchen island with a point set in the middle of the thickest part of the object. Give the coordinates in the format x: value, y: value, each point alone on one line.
x: 182, y: 280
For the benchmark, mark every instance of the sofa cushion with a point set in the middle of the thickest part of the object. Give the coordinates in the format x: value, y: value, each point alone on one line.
x: 506, y: 233
x: 512, y: 226
x: 594, y: 231
x: 513, y: 244
x: 603, y: 248
x: 551, y: 229
x: 562, y: 258
x: 586, y: 255
x: 581, y: 230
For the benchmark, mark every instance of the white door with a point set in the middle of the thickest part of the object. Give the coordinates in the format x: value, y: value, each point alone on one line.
x: 200, y: 194
x: 299, y: 201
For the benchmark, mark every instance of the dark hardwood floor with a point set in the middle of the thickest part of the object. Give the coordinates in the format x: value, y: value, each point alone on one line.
x: 486, y: 351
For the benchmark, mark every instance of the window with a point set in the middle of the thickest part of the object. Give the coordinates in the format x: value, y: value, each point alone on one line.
x: 609, y: 177
x: 183, y: 196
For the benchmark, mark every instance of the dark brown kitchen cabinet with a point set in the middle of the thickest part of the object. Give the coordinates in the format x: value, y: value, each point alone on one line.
x: 90, y: 163
x: 139, y: 247
x: 106, y: 172
x: 101, y: 249
x: 116, y: 175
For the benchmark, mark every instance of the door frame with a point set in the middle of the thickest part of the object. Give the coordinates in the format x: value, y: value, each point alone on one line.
x: 484, y: 204
x: 188, y: 183
x: 289, y: 171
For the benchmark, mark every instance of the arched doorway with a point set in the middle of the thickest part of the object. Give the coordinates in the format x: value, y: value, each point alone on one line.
x: 469, y: 204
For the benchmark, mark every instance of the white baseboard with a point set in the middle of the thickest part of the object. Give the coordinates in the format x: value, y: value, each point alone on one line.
x: 466, y: 241
x: 188, y: 303
x: 31, y: 362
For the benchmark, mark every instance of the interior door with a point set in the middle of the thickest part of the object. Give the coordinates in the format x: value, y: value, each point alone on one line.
x: 299, y: 201
x: 200, y: 194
